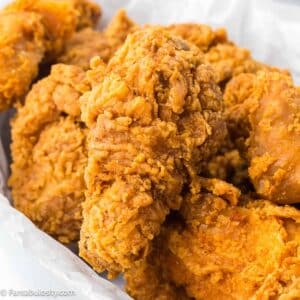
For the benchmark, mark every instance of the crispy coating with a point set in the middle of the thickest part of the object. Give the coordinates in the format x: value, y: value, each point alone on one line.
x: 83, y: 46
x: 60, y: 18
x: 202, y: 36
x: 119, y: 28
x: 21, y: 50
x: 87, y: 43
x: 226, y: 58
x: 153, y: 116
x: 34, y: 31
x: 229, y: 166
x: 229, y: 60
x: 149, y: 280
x: 49, y: 154
x: 220, y: 251
x: 266, y: 108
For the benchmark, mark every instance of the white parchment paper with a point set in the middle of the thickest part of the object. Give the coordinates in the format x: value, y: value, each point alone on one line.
x: 31, y: 260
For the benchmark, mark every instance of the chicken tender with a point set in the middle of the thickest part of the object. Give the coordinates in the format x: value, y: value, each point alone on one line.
x: 32, y: 32
x: 153, y: 116
x: 49, y: 154
x: 266, y: 109
x: 220, y: 251
x: 87, y: 43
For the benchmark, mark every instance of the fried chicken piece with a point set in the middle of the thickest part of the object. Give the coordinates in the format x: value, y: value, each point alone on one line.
x: 49, y: 154
x: 32, y: 31
x: 220, y: 251
x: 266, y: 110
x: 21, y: 50
x: 153, y: 116
x: 87, y: 43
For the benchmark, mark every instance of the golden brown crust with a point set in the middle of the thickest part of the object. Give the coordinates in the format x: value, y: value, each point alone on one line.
x: 265, y: 108
x: 229, y: 60
x: 200, y: 35
x: 31, y: 32
x: 219, y: 251
x: 49, y: 154
x: 157, y: 116
x: 21, y: 50
x: 88, y: 43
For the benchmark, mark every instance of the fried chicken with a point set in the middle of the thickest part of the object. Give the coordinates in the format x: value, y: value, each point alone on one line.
x: 266, y: 110
x: 215, y: 250
x: 49, y: 154
x: 155, y: 113
x: 34, y: 31
x: 87, y: 43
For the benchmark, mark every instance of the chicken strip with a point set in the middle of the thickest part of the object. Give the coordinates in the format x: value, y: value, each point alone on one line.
x: 87, y: 43
x: 49, y: 154
x: 32, y: 31
x: 153, y: 116
x: 266, y: 109
x: 220, y: 251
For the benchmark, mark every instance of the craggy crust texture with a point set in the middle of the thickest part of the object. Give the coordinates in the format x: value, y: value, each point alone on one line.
x: 219, y: 251
x: 21, y: 50
x: 32, y: 31
x: 49, y: 154
x: 154, y: 115
x: 87, y: 43
x: 202, y: 36
x: 60, y: 18
x: 227, y: 59
x: 266, y: 106
x: 83, y: 46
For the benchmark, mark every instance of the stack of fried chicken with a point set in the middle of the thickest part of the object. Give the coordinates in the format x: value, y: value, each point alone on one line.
x: 168, y: 152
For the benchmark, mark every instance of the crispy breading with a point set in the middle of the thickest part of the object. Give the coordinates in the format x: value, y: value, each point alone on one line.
x: 202, y: 36
x: 266, y: 109
x: 49, y: 154
x: 21, y: 50
x: 219, y: 251
x: 153, y: 116
x: 32, y: 31
x: 87, y: 43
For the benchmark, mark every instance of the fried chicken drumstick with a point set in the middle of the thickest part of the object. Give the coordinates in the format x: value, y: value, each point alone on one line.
x: 214, y: 250
x: 32, y: 31
x: 154, y: 115
x: 49, y: 154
